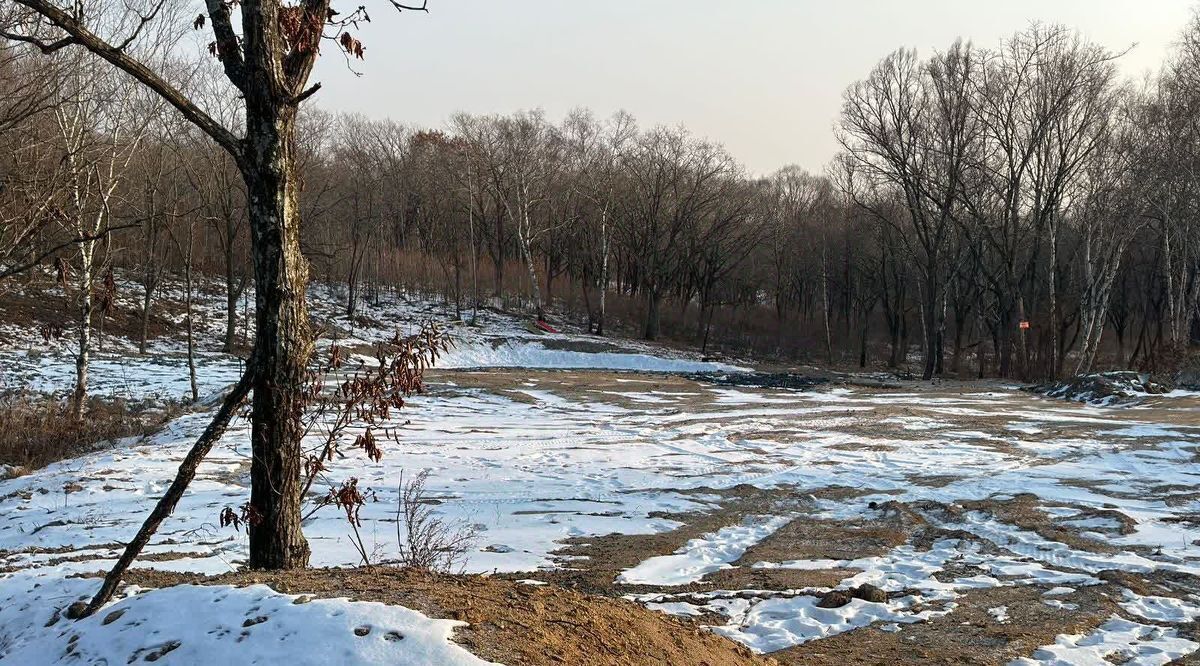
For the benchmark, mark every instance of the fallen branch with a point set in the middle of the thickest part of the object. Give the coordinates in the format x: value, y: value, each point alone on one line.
x: 166, y: 505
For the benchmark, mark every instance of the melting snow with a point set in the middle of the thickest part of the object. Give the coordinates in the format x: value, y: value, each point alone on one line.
x: 529, y: 476
x: 776, y: 624
x: 703, y: 556
x: 536, y: 355
x: 1116, y: 641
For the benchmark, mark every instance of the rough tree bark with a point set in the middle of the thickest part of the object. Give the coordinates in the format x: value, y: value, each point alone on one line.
x: 282, y: 338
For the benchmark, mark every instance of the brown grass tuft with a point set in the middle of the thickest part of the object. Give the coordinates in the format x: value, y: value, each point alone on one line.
x: 39, y: 430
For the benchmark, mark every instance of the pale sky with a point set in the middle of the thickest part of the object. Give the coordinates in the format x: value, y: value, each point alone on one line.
x: 763, y: 77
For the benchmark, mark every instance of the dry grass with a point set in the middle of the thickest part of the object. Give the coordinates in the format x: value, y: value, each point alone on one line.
x: 39, y: 430
x: 41, y: 302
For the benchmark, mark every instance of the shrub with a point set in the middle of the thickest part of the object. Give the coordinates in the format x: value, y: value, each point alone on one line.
x: 39, y: 430
x: 425, y: 540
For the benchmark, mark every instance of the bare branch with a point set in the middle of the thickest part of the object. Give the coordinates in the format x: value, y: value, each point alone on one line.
x: 13, y: 270
x: 126, y: 63
x: 412, y: 8
x: 228, y: 50
x: 306, y: 94
x: 142, y: 21
x: 44, y: 47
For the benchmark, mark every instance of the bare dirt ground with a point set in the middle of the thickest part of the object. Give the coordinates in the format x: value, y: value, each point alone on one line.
x: 967, y: 634
x: 509, y: 622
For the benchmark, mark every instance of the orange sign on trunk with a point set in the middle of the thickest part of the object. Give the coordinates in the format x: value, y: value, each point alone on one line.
x: 1024, y: 325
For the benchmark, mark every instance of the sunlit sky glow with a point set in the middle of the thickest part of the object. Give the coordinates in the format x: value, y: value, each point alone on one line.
x: 763, y: 77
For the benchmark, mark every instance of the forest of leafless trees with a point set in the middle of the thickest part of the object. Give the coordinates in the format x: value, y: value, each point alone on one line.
x: 1018, y: 211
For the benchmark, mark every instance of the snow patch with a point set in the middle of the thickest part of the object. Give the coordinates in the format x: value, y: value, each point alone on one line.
x: 221, y: 625
x: 1116, y: 641
x: 702, y: 556
x: 536, y: 355
x: 777, y: 624
x: 1160, y: 609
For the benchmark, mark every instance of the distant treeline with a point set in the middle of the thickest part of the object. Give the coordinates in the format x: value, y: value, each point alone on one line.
x: 1019, y: 211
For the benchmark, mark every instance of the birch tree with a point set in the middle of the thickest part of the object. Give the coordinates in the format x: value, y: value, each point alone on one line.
x: 1109, y: 215
x: 101, y: 128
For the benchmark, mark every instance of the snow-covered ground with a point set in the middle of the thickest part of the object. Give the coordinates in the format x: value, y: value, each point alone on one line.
x: 703, y: 556
x: 118, y: 370
x: 531, y: 463
x: 531, y: 472
x: 534, y: 354
x: 191, y: 624
x: 28, y: 361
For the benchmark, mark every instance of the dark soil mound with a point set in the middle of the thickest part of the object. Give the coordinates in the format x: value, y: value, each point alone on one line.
x: 1104, y: 388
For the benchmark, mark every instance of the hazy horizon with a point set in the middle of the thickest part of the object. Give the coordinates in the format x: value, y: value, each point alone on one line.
x: 764, y: 79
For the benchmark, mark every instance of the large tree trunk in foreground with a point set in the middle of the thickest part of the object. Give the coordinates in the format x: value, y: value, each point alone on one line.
x: 282, y: 341
x: 270, y: 64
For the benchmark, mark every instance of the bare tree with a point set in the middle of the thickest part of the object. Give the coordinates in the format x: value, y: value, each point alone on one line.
x: 185, y: 243
x: 101, y: 129
x: 674, y: 180
x: 908, y: 127
x: 27, y: 180
x: 525, y: 164
x: 1173, y: 138
x: 593, y: 153
x: 1108, y: 217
